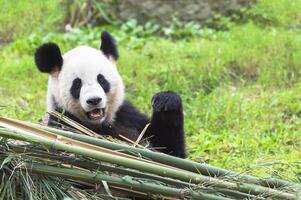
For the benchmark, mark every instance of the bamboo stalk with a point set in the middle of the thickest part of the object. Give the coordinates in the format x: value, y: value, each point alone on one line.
x: 122, y: 171
x: 126, y: 182
x: 31, y: 130
x: 98, y: 166
x: 74, y: 124
x: 188, y: 165
x: 141, y: 135
x: 148, y: 167
x: 185, y: 164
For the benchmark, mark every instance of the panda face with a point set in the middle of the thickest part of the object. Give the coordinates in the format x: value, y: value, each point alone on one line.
x: 88, y: 85
x: 84, y: 81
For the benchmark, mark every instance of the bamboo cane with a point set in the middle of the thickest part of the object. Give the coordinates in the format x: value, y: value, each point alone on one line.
x: 125, y: 181
x: 147, y: 167
x: 84, y: 164
x: 97, y: 166
x: 188, y: 165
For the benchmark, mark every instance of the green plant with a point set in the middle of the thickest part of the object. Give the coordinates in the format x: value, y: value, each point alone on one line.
x: 86, y: 13
x: 133, y: 29
x: 19, y: 18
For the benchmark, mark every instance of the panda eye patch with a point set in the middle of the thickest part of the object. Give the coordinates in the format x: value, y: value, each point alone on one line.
x: 103, y: 83
x: 75, y: 88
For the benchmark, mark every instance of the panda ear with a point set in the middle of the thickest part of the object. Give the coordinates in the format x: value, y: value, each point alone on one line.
x: 48, y: 57
x: 108, y: 46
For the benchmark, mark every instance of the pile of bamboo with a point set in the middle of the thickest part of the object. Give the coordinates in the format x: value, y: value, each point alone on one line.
x: 87, y: 167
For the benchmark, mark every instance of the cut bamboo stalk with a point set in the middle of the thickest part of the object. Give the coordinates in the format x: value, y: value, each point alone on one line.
x: 84, y: 165
x: 74, y: 124
x: 129, y: 141
x: 125, y: 182
x: 147, y: 167
x: 98, y: 166
x: 31, y: 130
x: 185, y: 164
x: 141, y: 135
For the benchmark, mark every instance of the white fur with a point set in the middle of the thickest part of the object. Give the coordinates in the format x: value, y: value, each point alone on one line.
x: 86, y: 63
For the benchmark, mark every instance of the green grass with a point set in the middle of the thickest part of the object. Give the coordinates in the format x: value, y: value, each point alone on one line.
x: 240, y: 88
x: 19, y: 17
x: 280, y: 12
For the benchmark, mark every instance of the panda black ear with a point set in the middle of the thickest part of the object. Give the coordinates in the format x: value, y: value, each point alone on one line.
x: 48, y: 57
x: 108, y: 45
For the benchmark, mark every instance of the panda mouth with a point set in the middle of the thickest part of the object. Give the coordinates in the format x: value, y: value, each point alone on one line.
x: 96, y: 114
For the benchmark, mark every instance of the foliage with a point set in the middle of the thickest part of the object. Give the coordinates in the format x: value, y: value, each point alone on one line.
x: 240, y: 83
x: 280, y: 12
x: 86, y: 12
x: 18, y: 18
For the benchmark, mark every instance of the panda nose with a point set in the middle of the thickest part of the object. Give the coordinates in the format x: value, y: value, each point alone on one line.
x: 94, y: 101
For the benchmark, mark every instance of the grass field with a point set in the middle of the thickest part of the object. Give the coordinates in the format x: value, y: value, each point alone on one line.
x: 241, y: 87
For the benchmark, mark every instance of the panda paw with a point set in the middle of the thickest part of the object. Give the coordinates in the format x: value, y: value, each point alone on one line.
x: 166, y: 101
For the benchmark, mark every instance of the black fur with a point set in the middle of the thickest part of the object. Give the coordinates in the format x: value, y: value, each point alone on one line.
x: 166, y: 125
x: 47, y: 57
x: 103, y: 83
x: 108, y: 46
x: 166, y: 101
x: 129, y: 116
x: 75, y: 88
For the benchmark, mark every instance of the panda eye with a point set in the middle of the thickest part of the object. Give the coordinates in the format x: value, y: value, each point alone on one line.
x: 75, y: 88
x: 103, y: 83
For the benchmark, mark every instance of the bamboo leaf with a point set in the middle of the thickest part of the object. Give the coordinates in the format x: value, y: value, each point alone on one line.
x: 107, y: 189
x: 6, y: 160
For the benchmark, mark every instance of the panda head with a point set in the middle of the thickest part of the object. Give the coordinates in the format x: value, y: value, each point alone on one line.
x: 84, y: 81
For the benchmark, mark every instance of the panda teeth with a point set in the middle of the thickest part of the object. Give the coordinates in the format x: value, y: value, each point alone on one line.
x: 95, y: 114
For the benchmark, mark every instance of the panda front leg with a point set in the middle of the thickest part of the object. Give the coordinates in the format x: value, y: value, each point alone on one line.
x: 166, y: 129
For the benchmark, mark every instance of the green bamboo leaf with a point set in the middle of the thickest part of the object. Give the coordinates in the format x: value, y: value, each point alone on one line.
x: 106, y: 186
x: 6, y: 160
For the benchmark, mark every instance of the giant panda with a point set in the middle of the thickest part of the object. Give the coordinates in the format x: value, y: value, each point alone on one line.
x: 84, y: 85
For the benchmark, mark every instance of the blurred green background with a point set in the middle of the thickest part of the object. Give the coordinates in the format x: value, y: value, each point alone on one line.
x: 239, y: 74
